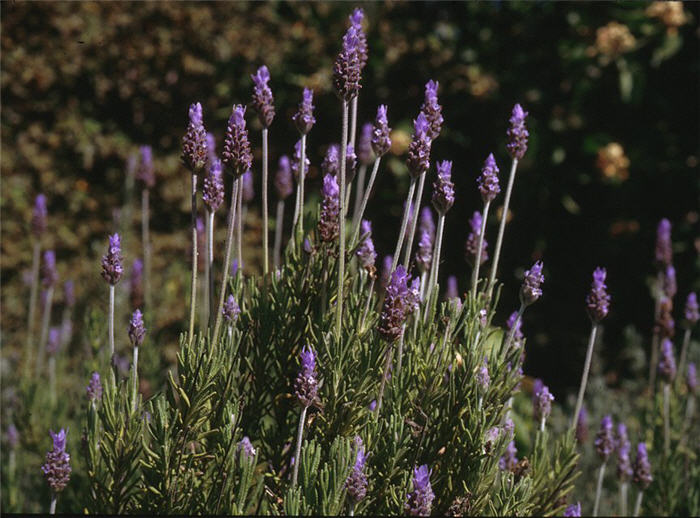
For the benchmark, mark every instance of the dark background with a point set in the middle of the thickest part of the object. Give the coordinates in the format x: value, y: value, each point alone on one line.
x: 83, y: 84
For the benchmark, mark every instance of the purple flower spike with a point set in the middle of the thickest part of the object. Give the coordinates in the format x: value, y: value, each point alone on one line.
x: 381, y: 139
x: 213, y: 191
x: 49, y: 275
x: 622, y: 448
x: 304, y: 118
x: 211, y: 148
x: 306, y: 383
x: 231, y: 310
x: 245, y: 449
x: 329, y: 221
x: 489, y: 186
x: 386, y: 271
x: 582, y: 426
x: 604, y: 439
x: 350, y: 163
x: 194, y: 143
x: 692, y: 315
x: 426, y: 222
x: 419, y: 148
x: 364, y: 145
x: 432, y: 110
x: 691, y: 378
x: 399, y: 303
x: 237, y: 158
x: 12, y: 436
x: 669, y: 285
x: 248, y: 192
x: 365, y: 252
x: 598, y: 300
x: 663, y: 252
x: 94, y: 388
x: 69, y: 293
x: 54, y: 341
x: 356, y: 21
x: 472, y: 245
x: 283, y: 179
x: 642, y: 469
x: 667, y: 363
x: 57, y: 468
x: 262, y: 97
x: 145, y: 171
x: 443, y: 188
x: 347, y: 69
x: 424, y: 253
x: 137, y: 330
x: 331, y: 162
x: 356, y: 484
x: 420, y: 500
x: 509, y: 460
x: 573, y: 510
x: 530, y: 291
x: 518, y: 336
x: 517, y: 133
x: 39, y: 216
x: 112, y: 268
x: 543, y: 403
x: 297, y: 161
x: 482, y: 376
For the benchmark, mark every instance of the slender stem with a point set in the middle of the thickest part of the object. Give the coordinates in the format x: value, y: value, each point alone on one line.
x: 684, y: 354
x: 584, y: 377
x: 511, y: 333
x: 687, y: 423
x: 414, y: 221
x: 135, y: 379
x: 502, y: 227
x: 43, y: 338
x: 297, y: 455
x: 599, y: 488
x: 302, y: 177
x: 353, y: 121
x: 341, y: 236
x: 239, y: 226
x: 385, y: 376
x: 296, y: 204
x: 404, y: 223
x: 111, y: 321
x: 52, y: 507
x: 368, y: 303
x: 146, y: 242
x: 424, y: 279
x: 33, y: 294
x: 435, y: 265
x: 655, y: 338
x: 207, y: 272
x: 264, y: 202
x: 279, y: 220
x: 210, y: 266
x: 623, y: 498
x: 667, y: 423
x: 351, y: 510
x: 477, y: 264
x: 357, y: 220
x: 638, y: 503
x: 52, y: 380
x: 360, y: 193
x: 542, y: 421
x: 227, y: 259
x: 193, y: 287
x: 400, y: 358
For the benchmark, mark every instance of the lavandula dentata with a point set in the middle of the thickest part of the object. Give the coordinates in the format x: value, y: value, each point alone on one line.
x: 112, y: 271
x: 49, y: 278
x: 304, y: 120
x: 573, y: 510
x: 146, y: 174
x: 641, y: 475
x: 137, y: 332
x: 365, y: 158
x: 230, y: 311
x: 237, y: 159
x: 356, y: 19
x: 356, y: 483
x: 663, y: 256
x: 597, y: 306
x: 530, y: 292
x: 542, y: 405
x: 213, y: 197
x: 517, y: 146
x: 419, y: 502
x: 489, y: 189
x: 624, y: 465
x: 264, y: 105
x: 667, y: 370
x: 692, y: 315
x: 472, y: 250
x: 604, y: 446
x: 57, y: 468
x: 39, y: 224
x: 443, y: 198
x: 329, y: 219
x: 194, y: 156
x: 306, y: 391
x: 284, y: 187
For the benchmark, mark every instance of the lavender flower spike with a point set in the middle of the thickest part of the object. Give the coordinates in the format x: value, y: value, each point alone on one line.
x: 399, y: 303
x: 194, y: 143
x: 432, y: 110
x: 356, y: 484
x: 517, y: 133
x: 420, y: 500
x: 508, y: 461
x: 692, y: 315
x: 306, y: 383
x: 530, y: 291
x: 482, y: 376
x: 112, y: 268
x: 543, y: 403
x: 145, y: 168
x: 573, y: 510
x: 49, y: 275
x: 669, y: 285
x: 642, y: 469
x: 604, y: 440
x: 237, y: 157
x: 365, y: 252
x: 213, y: 191
x: 582, y: 426
x: 356, y: 21
x: 137, y: 330
x: 663, y: 252
x: 347, y: 68
x: 296, y: 162
x: 94, y: 388
x: 598, y: 300
x: 381, y: 139
x: 443, y: 188
x: 304, y: 118
x: 385, y: 277
x: 57, y: 468
x: 231, y: 310
x: 691, y: 378
x: 331, y: 161
x: 262, y: 97
x: 472, y: 245
x: 419, y: 148
x: 364, y: 145
x: 489, y: 186
x: 247, y: 186
x: 622, y: 448
x: 245, y: 449
x: 283, y: 178
x: 667, y: 363
x: 424, y: 253
x: 39, y: 216
x: 328, y: 224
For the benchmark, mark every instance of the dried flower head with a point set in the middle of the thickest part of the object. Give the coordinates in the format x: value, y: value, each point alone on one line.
x: 598, y: 300
x: 614, y: 39
x: 94, y: 388
x: 613, y: 162
x: 671, y: 15
x: 432, y: 109
x: 443, y: 188
x: 530, y: 290
x: 39, y: 216
x: 419, y: 502
x: 604, y: 439
x: 194, y: 143
x: 263, y: 102
x: 419, y: 148
x: 517, y: 133
x: 57, y: 468
x: 112, y: 268
x: 237, y: 157
x: 304, y: 118
x: 381, y: 140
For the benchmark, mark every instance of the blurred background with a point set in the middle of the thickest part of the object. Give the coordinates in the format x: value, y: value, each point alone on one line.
x: 611, y: 89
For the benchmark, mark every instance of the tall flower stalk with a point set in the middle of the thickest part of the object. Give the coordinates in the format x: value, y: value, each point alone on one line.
x: 304, y: 120
x: 112, y: 271
x: 365, y: 159
x: 57, y: 467
x: 489, y: 188
x: 264, y: 105
x: 667, y: 370
x: 39, y: 224
x: 306, y: 391
x: 517, y: 146
x: 145, y: 173
x: 137, y: 332
x: 443, y: 199
x: 213, y: 197
x: 604, y: 446
x: 624, y: 465
x: 692, y: 315
x: 597, y: 306
x: 663, y: 257
x: 356, y: 22
x: 641, y: 475
x: 283, y: 187
x: 49, y: 277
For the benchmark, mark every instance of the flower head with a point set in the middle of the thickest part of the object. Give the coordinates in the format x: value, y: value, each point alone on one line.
x: 306, y: 383
x: 263, y: 102
x: 542, y: 403
x: 356, y: 21
x: 231, y: 310
x: 381, y: 140
x: 213, y: 191
x: 296, y: 162
x: 94, y: 388
x: 211, y: 147
x: 248, y: 192
x: 663, y: 252
x: 57, y: 468
x: 509, y: 460
x: 194, y: 143
x: 364, y: 145
x: 424, y: 252
x: 49, y: 274
x: 329, y: 222
x: 669, y: 285
x: 386, y: 271
x: 112, y: 268
x: 517, y: 133
x: 582, y: 426
x: 245, y: 449
x: 443, y: 188
x: 482, y: 375
x: 356, y: 483
x: 39, y: 216
x: 598, y: 300
x: 489, y: 186
x: 530, y: 291
x: 145, y: 171
x: 419, y: 148
x: 399, y: 303
x: 304, y: 117
x: 54, y: 341
x: 692, y: 315
x: 604, y: 439
x: 365, y: 251
x: 622, y: 448
x: 283, y: 178
x: 420, y: 500
x: 573, y: 510
x: 432, y: 110
x: 347, y: 69
x: 137, y: 330
x: 472, y: 245
x: 642, y: 469
x: 237, y: 157
x: 667, y: 363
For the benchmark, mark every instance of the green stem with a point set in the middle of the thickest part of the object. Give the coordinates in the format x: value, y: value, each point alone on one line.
x: 435, y: 265
x: 477, y: 264
x: 135, y: 379
x: 359, y: 193
x: 279, y: 220
x: 52, y: 506
x: 145, y: 217
x: 264, y: 202
x: 623, y: 498
x: 584, y: 376
x: 239, y: 226
x: 341, y: 236
x: 414, y: 221
x: 502, y: 228
x: 638, y: 504
x: 43, y: 338
x: 599, y: 488
x: 404, y: 223
x: 193, y: 286
x: 302, y: 177
x: 357, y: 220
x: 33, y: 294
x: 667, y: 422
x: 297, y: 456
x: 227, y: 259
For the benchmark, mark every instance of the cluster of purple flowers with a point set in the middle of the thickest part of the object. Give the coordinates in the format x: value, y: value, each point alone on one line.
x: 598, y: 300
x: 356, y: 484
x: 471, y: 247
x: 399, y: 302
x: 237, y: 157
x: 306, y: 383
x: 365, y: 251
x: 194, y: 143
x: 329, y: 221
x: 262, y: 96
x: 57, y: 468
x: 420, y: 501
x: 112, y: 268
